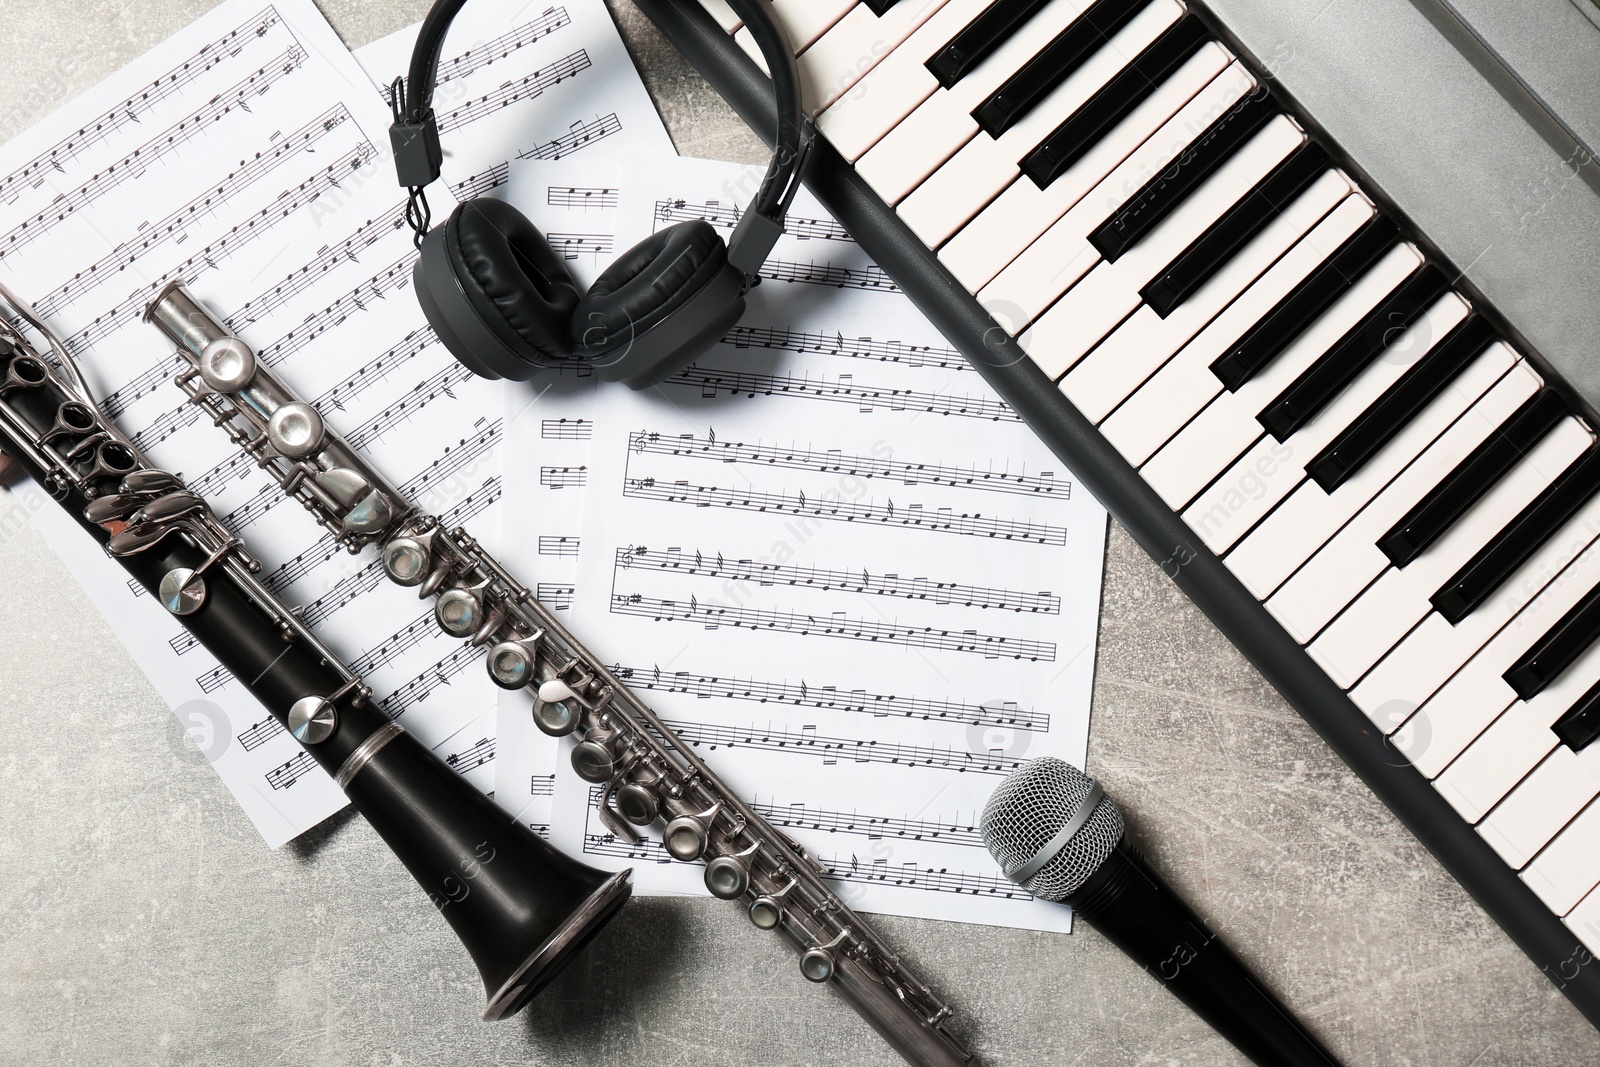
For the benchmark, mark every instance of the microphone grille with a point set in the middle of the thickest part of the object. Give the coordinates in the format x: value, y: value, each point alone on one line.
x: 1030, y: 807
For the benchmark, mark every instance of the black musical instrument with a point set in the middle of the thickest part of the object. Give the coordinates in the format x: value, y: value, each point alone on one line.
x: 522, y: 908
x: 1287, y: 394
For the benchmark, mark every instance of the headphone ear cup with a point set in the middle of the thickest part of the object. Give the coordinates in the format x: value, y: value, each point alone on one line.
x: 660, y: 305
x: 516, y: 283
x: 645, y: 284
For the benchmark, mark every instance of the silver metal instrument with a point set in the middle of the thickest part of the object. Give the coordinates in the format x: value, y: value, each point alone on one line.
x: 647, y: 775
x: 522, y: 909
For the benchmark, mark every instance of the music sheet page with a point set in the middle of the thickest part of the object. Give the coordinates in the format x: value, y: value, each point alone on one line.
x: 550, y: 421
x: 247, y: 155
x: 839, y: 565
x: 567, y: 56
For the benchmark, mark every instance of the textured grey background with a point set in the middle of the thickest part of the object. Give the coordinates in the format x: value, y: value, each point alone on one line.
x: 142, y: 921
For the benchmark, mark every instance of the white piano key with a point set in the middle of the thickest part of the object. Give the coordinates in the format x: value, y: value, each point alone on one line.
x: 1185, y: 385
x: 1435, y: 650
x: 1061, y: 255
x: 1311, y: 516
x: 1263, y: 476
x: 942, y: 123
x: 1515, y: 743
x: 724, y: 15
x: 1466, y: 705
x: 1544, y: 802
x: 1169, y: 119
x: 1145, y: 341
x: 1344, y: 566
x: 807, y: 20
x: 896, y: 85
x: 1398, y: 600
x: 802, y: 20
x: 1095, y: 306
x: 1569, y: 868
x: 1220, y: 434
x: 1584, y: 921
x: 855, y: 46
x: 960, y: 188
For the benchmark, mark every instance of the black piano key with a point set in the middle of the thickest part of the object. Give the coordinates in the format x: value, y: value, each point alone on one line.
x: 1167, y: 190
x: 979, y: 38
x: 1115, y: 100
x: 1516, y: 544
x: 1477, y: 474
x: 1054, y: 65
x: 1305, y: 302
x: 879, y: 7
x: 1579, y: 727
x: 1557, y: 650
x: 1364, y: 438
x: 1198, y: 263
x: 1365, y: 342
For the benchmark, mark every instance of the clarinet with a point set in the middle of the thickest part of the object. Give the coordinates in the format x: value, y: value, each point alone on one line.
x: 645, y: 773
x: 521, y: 908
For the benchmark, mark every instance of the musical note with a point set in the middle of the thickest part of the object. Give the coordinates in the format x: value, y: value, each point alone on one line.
x: 870, y: 278
x: 557, y: 596
x: 530, y: 87
x: 727, y: 216
x: 563, y: 477
x: 235, y: 182
x: 572, y: 245
x: 583, y: 198
x: 912, y: 517
x: 260, y: 733
x: 492, y: 51
x: 789, y: 339
x: 832, y: 698
x: 580, y: 136
x: 480, y: 184
x: 1044, y: 484
x: 842, y: 389
x: 834, y: 624
x: 133, y: 110
x: 558, y: 546
x: 479, y: 754
x: 137, y: 162
x: 566, y: 429
x: 828, y: 579
x: 285, y: 776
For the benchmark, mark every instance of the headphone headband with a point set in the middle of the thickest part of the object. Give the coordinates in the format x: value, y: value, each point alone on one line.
x: 419, y: 156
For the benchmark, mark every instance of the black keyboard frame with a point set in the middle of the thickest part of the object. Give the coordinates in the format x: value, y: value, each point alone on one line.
x: 1100, y: 468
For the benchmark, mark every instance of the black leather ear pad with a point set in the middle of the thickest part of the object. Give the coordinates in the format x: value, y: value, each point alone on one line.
x: 516, y: 282
x: 646, y: 285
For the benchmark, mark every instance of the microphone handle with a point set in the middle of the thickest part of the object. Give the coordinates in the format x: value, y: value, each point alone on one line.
x: 1139, y: 913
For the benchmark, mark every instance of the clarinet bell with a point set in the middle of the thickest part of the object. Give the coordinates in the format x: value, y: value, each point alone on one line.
x: 522, y: 909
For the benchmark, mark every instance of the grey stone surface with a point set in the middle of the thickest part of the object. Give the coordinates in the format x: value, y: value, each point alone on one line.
x: 142, y: 921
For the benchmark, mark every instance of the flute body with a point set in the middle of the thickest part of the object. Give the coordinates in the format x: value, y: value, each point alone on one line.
x: 646, y: 775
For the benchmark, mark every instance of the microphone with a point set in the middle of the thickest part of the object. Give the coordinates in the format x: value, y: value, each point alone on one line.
x: 1054, y: 831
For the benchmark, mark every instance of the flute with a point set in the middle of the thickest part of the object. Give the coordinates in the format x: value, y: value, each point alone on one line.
x: 521, y: 908
x: 647, y: 775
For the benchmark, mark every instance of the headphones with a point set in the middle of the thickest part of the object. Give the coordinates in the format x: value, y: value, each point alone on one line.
x: 501, y: 298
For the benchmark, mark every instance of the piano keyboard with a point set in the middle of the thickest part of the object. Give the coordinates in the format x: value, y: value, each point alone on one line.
x: 1266, y: 375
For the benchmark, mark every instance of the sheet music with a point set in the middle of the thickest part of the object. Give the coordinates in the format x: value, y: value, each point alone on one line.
x: 247, y: 155
x: 840, y: 567
x: 550, y: 421
x: 549, y: 85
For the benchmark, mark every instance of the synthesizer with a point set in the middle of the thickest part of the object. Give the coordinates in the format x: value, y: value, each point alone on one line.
x: 1325, y: 435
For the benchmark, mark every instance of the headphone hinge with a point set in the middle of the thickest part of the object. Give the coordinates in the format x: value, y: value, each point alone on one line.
x: 418, y: 155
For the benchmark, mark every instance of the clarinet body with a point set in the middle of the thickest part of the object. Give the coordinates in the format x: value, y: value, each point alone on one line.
x: 521, y: 907
x: 645, y: 774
